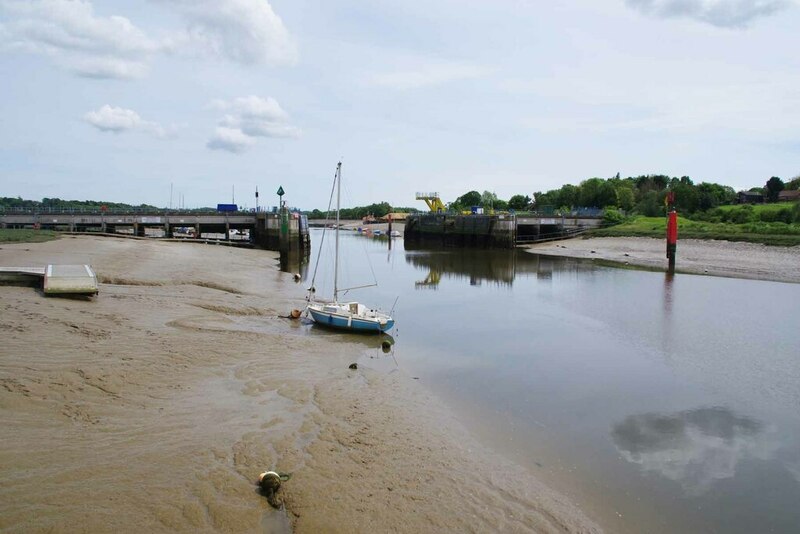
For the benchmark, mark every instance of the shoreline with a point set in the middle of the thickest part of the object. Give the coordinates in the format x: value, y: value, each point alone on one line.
x: 156, y: 405
x: 694, y: 256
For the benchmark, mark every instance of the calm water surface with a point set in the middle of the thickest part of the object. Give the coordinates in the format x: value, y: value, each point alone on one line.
x: 658, y: 404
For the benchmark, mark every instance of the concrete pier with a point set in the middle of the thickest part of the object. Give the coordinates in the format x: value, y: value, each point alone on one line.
x: 282, y: 231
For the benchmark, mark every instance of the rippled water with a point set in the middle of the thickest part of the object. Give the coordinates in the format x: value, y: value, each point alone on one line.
x: 659, y: 404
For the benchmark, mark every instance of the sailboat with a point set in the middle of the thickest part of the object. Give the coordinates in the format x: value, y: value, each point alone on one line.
x: 351, y: 315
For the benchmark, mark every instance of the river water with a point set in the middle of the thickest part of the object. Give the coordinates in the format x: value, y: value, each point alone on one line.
x: 657, y: 403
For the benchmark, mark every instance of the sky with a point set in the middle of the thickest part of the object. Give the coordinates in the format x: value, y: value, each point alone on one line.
x: 199, y: 102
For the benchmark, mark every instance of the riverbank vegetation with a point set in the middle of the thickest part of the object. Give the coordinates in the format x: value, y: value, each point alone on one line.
x: 636, y: 207
x: 768, y: 233
x: 60, y: 204
x: 380, y: 209
x: 8, y: 235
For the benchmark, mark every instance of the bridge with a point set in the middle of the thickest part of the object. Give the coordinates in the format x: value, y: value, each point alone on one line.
x: 274, y: 230
x: 132, y: 222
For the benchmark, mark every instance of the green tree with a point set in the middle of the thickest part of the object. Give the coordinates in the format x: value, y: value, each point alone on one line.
x: 519, y: 202
x: 488, y: 199
x: 568, y: 195
x: 467, y: 200
x: 607, y: 195
x: 625, y: 197
x: 590, y: 192
x: 651, y: 204
x: 774, y: 186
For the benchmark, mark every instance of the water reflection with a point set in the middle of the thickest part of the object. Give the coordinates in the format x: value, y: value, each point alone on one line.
x: 474, y: 265
x: 794, y: 469
x: 499, y: 267
x: 669, y: 280
x: 574, y: 345
x: 295, y: 261
x: 694, y: 448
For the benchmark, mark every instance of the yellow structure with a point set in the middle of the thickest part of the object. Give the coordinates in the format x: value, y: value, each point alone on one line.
x: 431, y: 281
x: 433, y: 201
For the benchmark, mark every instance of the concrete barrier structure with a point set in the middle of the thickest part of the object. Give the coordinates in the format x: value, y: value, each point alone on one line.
x: 493, y: 231
x: 462, y: 230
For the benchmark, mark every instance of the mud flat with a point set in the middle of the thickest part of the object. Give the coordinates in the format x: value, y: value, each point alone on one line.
x: 718, y: 258
x: 155, y: 406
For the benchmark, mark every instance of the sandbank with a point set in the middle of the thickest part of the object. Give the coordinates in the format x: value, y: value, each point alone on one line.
x: 696, y: 256
x: 155, y: 406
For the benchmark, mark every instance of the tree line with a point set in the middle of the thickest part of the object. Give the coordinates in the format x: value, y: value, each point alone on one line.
x: 86, y: 205
x: 57, y: 203
x: 377, y: 210
x: 642, y: 194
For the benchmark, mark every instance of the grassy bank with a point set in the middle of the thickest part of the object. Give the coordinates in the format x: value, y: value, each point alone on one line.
x: 769, y: 233
x: 26, y: 236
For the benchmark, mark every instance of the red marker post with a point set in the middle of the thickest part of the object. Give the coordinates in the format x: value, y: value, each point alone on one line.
x: 672, y: 231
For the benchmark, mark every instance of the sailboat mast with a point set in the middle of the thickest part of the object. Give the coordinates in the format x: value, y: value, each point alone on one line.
x: 338, y: 200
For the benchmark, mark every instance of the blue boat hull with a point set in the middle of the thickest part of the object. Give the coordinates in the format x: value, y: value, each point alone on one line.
x: 342, y: 322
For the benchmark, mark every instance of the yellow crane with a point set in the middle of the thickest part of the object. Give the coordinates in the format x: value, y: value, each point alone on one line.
x: 433, y: 201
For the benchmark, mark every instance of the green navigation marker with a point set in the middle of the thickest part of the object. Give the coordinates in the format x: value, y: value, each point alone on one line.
x: 280, y: 191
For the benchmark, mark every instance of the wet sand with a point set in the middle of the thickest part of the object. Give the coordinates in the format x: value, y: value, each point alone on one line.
x: 155, y: 406
x: 697, y: 256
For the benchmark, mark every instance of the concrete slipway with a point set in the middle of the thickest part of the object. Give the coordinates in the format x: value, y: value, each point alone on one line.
x: 55, y: 279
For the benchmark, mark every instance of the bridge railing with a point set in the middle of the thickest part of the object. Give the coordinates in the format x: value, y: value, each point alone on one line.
x: 129, y: 211
x: 574, y: 212
x: 550, y: 236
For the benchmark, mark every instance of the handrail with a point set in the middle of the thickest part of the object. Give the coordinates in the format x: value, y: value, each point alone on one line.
x: 132, y: 211
x: 551, y: 236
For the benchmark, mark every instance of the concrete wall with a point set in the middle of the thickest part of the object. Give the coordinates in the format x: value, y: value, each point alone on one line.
x: 495, y: 231
x: 282, y: 231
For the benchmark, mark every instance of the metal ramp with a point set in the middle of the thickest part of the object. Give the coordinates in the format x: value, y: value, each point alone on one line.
x: 54, y: 279
x: 433, y: 201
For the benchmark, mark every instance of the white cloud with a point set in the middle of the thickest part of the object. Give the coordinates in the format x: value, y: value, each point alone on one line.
x: 245, y: 31
x: 71, y: 34
x: 424, y: 74
x: 254, y: 107
x: 721, y: 13
x: 117, y: 120
x: 230, y: 139
x: 75, y: 38
x: 695, y: 448
x: 247, y: 118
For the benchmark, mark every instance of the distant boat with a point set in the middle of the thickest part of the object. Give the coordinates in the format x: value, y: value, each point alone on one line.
x: 394, y: 233
x: 377, y: 232
x: 352, y: 316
